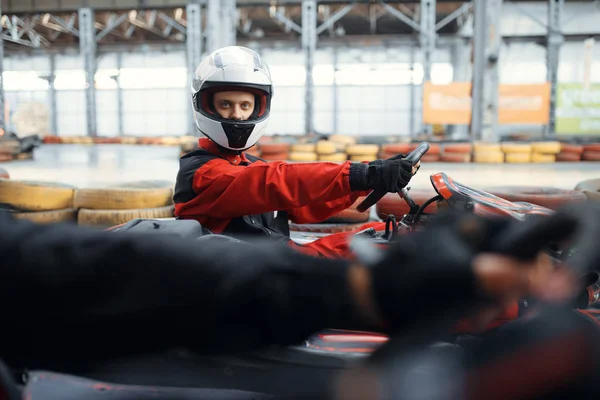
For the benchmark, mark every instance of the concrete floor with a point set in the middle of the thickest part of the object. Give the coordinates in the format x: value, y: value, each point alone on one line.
x: 101, y: 165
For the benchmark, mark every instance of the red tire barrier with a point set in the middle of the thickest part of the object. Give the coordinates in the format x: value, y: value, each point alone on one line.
x: 430, y: 157
x: 281, y: 156
x: 571, y: 148
x: 569, y: 157
x: 595, y: 147
x: 551, y: 198
x: 324, y: 228
x: 396, y: 148
x: 434, y: 148
x: 274, y: 148
x: 391, y: 203
x: 591, y: 156
x: 456, y: 157
x: 461, y: 148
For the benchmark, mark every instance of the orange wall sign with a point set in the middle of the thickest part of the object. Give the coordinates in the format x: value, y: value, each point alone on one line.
x: 517, y: 104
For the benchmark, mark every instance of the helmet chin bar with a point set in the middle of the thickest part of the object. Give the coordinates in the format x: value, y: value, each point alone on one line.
x: 237, y: 134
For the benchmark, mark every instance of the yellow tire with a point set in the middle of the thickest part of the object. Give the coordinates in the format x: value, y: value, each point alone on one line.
x: 303, y: 156
x: 486, y: 147
x: 543, y: 158
x: 108, y: 218
x: 342, y: 139
x: 515, y: 148
x: 36, y: 196
x: 489, y: 157
x: 546, y: 147
x: 327, y: 147
x: 48, y: 217
x: 364, y: 157
x: 360, y: 149
x: 516, y: 158
x: 336, y: 157
x: 303, y: 148
x: 129, y: 140
x: 122, y: 198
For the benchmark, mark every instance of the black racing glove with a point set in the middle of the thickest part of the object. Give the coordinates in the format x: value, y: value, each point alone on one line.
x: 390, y: 175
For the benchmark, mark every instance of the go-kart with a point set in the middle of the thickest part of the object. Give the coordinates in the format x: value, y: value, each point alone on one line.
x: 304, y: 370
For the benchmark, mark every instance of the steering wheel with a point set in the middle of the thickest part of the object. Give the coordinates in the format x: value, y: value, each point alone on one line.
x: 413, y: 157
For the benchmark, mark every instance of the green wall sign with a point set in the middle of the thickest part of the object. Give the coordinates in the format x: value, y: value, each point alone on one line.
x: 577, y: 109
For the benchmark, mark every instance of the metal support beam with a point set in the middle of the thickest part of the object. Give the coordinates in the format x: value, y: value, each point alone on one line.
x: 87, y: 47
x: 2, y: 121
x: 398, y: 14
x: 553, y: 43
x: 194, y: 51
x: 119, y: 94
x: 329, y: 22
x: 487, y: 41
x: 221, y: 24
x: 52, y: 96
x: 460, y: 55
x: 465, y: 8
x: 427, y: 40
x: 336, y: 105
x: 309, y: 46
x: 413, y: 94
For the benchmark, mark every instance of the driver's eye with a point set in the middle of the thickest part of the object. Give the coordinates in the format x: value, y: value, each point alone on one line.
x: 225, y: 104
x: 246, y: 106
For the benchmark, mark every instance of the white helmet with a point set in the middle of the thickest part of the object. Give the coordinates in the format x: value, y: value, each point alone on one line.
x: 232, y: 68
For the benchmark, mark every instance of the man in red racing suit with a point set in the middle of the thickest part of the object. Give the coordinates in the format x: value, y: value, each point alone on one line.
x: 233, y: 193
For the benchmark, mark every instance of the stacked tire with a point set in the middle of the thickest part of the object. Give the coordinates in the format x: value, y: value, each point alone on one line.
x: 362, y: 152
x: 591, y: 152
x: 331, y: 151
x: 40, y: 202
x: 516, y: 153
x: 303, y: 152
x: 545, y: 152
x: 570, y: 152
x: 273, y: 151
x: 106, y: 207
x: 549, y: 197
x: 487, y: 153
x: 457, y: 153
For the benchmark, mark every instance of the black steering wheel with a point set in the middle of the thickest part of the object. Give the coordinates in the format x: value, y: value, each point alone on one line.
x: 413, y: 157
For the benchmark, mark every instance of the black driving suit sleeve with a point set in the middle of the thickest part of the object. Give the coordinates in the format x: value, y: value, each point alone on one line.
x: 71, y: 293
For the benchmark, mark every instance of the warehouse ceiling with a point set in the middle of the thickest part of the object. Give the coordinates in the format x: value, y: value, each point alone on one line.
x: 54, y: 23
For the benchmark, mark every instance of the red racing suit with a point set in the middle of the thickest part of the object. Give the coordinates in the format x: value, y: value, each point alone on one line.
x: 240, y: 195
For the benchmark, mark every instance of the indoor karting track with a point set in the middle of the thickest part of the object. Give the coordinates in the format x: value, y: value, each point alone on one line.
x: 100, y: 165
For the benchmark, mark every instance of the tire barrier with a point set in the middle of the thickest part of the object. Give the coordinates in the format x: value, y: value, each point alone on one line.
x: 590, y: 155
x: 551, y: 198
x: 107, y: 218
x: 392, y: 204
x: 324, y: 228
x: 591, y: 189
x: 339, y: 148
x: 48, y: 202
x: 104, y: 207
x: 42, y: 202
x: 350, y: 215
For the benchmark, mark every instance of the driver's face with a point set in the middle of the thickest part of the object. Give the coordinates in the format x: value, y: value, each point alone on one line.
x: 234, y: 105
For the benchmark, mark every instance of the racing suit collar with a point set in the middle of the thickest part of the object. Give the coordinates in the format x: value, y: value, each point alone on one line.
x: 231, y: 156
